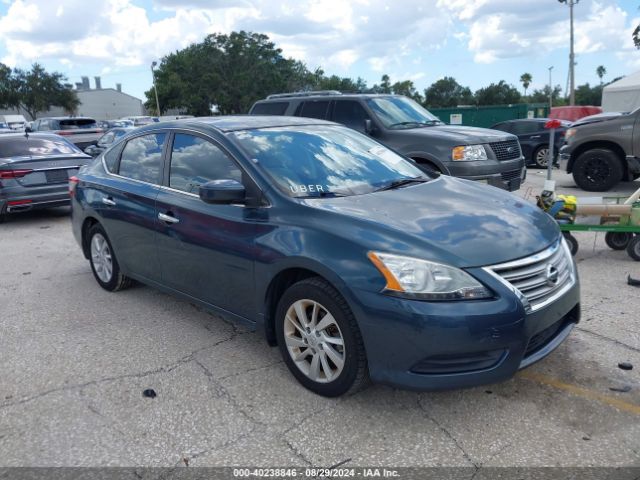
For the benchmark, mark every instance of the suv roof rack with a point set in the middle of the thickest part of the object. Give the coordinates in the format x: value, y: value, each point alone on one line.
x: 304, y: 94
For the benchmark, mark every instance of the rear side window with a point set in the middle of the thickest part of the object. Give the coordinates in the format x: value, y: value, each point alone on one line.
x: 523, y: 128
x: 196, y: 161
x: 141, y: 158
x: 269, y: 108
x: 350, y: 113
x: 22, y: 146
x: 77, y: 123
x: 314, y: 109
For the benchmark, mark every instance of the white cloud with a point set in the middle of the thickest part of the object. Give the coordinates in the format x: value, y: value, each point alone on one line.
x: 500, y: 29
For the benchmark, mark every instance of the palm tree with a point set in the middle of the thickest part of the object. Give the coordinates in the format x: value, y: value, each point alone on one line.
x: 525, y: 79
x: 601, y: 72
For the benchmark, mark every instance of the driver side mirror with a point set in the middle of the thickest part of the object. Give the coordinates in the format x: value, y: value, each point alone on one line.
x: 222, y: 192
x: 369, y: 129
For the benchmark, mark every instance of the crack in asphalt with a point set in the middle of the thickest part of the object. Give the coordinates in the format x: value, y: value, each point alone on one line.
x: 608, y: 339
x: 297, y: 452
x: 448, y: 434
x: 163, y: 369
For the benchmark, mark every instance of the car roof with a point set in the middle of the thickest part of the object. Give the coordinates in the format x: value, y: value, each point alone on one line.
x: 66, y: 118
x: 237, y: 122
x: 326, y: 96
x: 517, y: 120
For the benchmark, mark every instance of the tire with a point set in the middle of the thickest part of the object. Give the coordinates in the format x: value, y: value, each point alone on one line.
x: 597, y: 170
x: 635, y: 176
x: 104, y: 264
x: 342, y: 371
x: 633, y: 248
x: 617, y: 240
x: 539, y: 157
x: 572, y: 241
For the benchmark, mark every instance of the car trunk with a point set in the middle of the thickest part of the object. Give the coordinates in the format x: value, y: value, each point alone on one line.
x: 36, y: 171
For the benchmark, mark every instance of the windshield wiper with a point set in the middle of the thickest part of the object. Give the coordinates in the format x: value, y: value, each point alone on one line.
x: 401, y: 183
x: 324, y: 195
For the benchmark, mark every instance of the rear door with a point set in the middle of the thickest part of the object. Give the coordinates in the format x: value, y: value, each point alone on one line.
x: 531, y: 135
x: 125, y: 201
x: 206, y: 251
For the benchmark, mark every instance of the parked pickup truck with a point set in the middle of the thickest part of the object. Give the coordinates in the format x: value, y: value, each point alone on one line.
x: 481, y: 154
x: 602, y: 150
x: 81, y: 131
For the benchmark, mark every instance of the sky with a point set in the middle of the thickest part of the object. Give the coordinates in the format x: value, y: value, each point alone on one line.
x: 475, y: 41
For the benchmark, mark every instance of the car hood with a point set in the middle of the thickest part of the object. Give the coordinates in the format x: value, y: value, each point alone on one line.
x: 458, y: 135
x: 598, y: 118
x: 450, y: 220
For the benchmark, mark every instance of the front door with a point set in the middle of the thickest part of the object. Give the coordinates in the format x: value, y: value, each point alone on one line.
x: 205, y: 250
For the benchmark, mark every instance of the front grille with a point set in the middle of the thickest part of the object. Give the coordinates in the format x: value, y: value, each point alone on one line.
x: 540, y: 278
x: 56, y: 176
x: 506, y: 150
x: 510, y: 175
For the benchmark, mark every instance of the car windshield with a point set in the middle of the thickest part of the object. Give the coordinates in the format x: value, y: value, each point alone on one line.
x: 402, y: 113
x: 23, y: 146
x: 325, y: 160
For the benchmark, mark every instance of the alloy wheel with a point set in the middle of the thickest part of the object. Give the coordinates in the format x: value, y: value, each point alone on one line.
x: 314, y: 341
x: 101, y: 258
x: 597, y: 170
x: 541, y: 157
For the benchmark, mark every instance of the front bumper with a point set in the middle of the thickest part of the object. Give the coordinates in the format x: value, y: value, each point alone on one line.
x: 508, y: 175
x: 445, y: 345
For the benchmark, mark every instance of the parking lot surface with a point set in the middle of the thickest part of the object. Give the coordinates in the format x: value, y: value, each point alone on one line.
x: 74, y: 361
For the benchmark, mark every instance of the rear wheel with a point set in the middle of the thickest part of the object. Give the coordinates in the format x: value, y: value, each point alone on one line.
x: 319, y: 339
x: 597, y: 170
x: 540, y: 156
x: 617, y: 240
x: 104, y: 264
x: 633, y: 248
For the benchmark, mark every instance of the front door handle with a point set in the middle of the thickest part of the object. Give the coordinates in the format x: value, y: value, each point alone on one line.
x: 167, y: 218
x: 534, y: 136
x: 108, y: 201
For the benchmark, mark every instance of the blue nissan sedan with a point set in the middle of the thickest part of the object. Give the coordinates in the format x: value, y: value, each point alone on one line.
x: 350, y: 259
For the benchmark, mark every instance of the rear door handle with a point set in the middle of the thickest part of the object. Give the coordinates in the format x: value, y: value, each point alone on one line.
x: 534, y: 136
x: 108, y: 201
x: 167, y: 218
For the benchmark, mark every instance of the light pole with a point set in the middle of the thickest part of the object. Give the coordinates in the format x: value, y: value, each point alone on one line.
x: 550, y: 91
x: 572, y: 78
x: 155, y: 88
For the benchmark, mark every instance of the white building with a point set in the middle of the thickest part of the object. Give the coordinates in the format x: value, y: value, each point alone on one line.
x: 99, y: 103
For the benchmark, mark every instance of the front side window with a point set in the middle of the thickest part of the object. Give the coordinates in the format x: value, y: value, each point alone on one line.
x: 107, y: 138
x: 401, y: 113
x: 324, y: 160
x: 142, y: 157
x: 196, y: 161
x: 350, y: 113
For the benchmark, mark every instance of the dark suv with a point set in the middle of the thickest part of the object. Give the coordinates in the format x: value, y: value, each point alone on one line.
x: 488, y: 156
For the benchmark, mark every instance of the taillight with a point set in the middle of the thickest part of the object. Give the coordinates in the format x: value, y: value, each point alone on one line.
x: 5, y: 174
x: 73, y: 183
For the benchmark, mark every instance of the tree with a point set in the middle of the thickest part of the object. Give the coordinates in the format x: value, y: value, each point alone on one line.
x: 500, y: 93
x: 636, y: 36
x: 447, y: 92
x: 601, y: 72
x: 542, y: 96
x: 385, y: 84
x: 525, y: 79
x: 406, y: 88
x: 228, y: 71
x: 587, y: 95
x: 35, y: 90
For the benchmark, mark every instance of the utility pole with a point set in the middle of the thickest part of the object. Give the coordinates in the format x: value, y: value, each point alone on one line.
x: 572, y: 78
x: 155, y: 88
x: 550, y: 91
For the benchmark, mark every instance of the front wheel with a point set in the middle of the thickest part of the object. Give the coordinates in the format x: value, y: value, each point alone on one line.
x: 104, y: 264
x: 319, y: 339
x: 597, y: 170
x: 572, y: 242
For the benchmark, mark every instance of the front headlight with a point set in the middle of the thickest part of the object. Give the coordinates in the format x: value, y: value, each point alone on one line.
x: 569, y: 133
x: 469, y: 153
x: 421, y: 279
